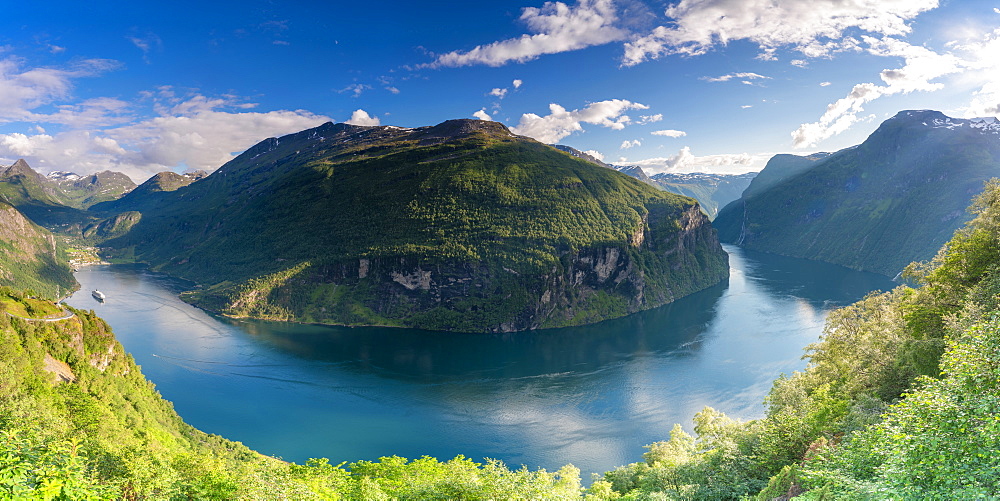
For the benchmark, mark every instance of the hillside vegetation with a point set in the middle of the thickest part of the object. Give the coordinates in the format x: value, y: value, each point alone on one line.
x: 893, y: 199
x: 460, y: 226
x: 31, y: 258
x: 899, y: 401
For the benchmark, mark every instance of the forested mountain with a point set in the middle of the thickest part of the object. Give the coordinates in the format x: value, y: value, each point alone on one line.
x: 30, y: 256
x: 37, y: 197
x: 893, y: 199
x: 712, y: 191
x: 146, y: 194
x: 84, y: 191
x: 459, y: 226
x: 780, y: 167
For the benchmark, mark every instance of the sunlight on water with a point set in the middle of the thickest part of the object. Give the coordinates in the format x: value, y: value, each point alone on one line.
x: 592, y: 396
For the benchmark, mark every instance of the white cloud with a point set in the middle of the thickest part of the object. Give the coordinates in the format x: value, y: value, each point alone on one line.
x: 745, y: 106
x: 355, y: 89
x: 824, y: 84
x: 557, y: 27
x: 596, y: 154
x: 361, y: 117
x: 799, y: 63
x: 55, y: 49
x: 921, y: 66
x: 669, y: 133
x: 814, y: 28
x: 648, y: 119
x: 630, y: 144
x: 193, y: 132
x: 685, y: 161
x: 982, y: 59
x: 146, y: 43
x: 500, y: 93
x: 726, y: 78
x: 560, y: 123
x: 24, y: 90
x: 392, y: 89
x: 517, y: 83
x: 482, y: 115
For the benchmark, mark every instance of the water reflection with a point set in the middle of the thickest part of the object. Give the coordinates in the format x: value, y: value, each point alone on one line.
x: 592, y: 396
x: 424, y: 356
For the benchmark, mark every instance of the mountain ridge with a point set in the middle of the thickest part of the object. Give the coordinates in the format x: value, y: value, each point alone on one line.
x: 919, y: 170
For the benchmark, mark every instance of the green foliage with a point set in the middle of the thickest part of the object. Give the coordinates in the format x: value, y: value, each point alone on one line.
x: 32, y: 468
x: 460, y: 478
x: 899, y: 401
x: 941, y: 441
x: 31, y: 257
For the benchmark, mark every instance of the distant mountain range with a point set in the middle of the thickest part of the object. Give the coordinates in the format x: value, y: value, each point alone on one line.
x: 712, y: 191
x: 84, y: 191
x: 458, y: 226
x: 145, y: 195
x: 895, y: 198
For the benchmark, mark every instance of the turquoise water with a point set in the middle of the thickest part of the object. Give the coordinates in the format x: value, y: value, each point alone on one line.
x: 592, y: 396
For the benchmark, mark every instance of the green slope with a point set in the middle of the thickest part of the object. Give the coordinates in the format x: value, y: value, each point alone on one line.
x: 36, y: 197
x: 899, y: 401
x: 146, y: 194
x: 31, y: 257
x: 893, y: 199
x: 460, y: 226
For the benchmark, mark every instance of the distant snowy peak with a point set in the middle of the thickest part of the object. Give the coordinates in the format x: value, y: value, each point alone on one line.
x: 63, y: 176
x: 938, y: 120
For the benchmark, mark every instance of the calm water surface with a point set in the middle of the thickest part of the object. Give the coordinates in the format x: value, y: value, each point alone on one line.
x: 592, y: 396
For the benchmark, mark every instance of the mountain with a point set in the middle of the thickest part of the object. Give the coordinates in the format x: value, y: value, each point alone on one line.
x: 85, y: 191
x: 147, y: 193
x: 712, y: 191
x: 780, y: 167
x: 893, y: 199
x: 37, y: 197
x: 630, y: 170
x: 459, y: 226
x: 22, y: 185
x: 30, y: 257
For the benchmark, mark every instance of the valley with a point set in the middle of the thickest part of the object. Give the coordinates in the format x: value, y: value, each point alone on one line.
x: 605, y: 306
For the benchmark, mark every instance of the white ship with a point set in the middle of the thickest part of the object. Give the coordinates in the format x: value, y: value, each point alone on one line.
x: 98, y: 295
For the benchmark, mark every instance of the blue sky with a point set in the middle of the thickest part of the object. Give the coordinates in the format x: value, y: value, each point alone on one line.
x: 690, y: 85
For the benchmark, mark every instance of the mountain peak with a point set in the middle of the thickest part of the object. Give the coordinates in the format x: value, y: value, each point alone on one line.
x: 584, y: 155
x: 461, y: 127
x: 937, y: 120
x: 19, y: 167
